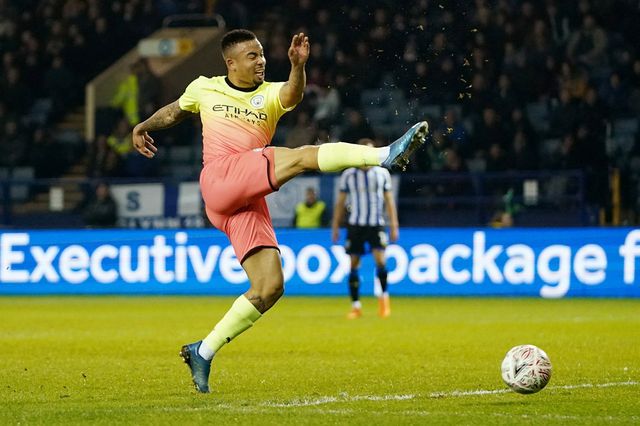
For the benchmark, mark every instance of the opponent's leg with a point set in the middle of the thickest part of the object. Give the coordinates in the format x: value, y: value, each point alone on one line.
x: 354, y: 288
x: 384, y: 305
x: 265, y: 275
x: 333, y: 157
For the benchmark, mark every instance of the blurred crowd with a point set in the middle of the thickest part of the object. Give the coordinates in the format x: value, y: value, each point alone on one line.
x: 50, y: 49
x: 505, y: 84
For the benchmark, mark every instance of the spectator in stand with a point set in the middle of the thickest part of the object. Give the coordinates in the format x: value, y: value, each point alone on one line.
x: 303, y: 133
x: 505, y: 97
x: 523, y: 155
x: 519, y: 122
x: 594, y: 114
x: 594, y: 163
x: 102, y: 211
x: 121, y: 144
x: 615, y: 95
x: 489, y: 131
x: 573, y: 79
x: 46, y: 155
x: 564, y: 114
x: 310, y: 213
x: 149, y: 88
x: 59, y: 86
x: 634, y: 85
x: 14, y: 92
x: 127, y: 96
x: 327, y: 105
x: 357, y: 128
x: 13, y: 146
x: 587, y: 46
x: 103, y: 161
x: 454, y: 130
x: 497, y: 158
x: 459, y: 183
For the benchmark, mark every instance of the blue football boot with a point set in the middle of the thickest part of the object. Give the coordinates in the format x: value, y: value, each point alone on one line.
x: 400, y: 151
x: 199, y: 366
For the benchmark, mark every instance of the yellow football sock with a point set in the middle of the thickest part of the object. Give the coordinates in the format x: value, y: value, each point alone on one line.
x: 333, y: 157
x: 239, y: 318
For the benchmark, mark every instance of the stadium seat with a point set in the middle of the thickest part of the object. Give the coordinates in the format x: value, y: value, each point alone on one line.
x: 549, y: 151
x: 68, y: 137
x: 181, y: 155
x: 454, y: 107
x: 182, y: 171
x: 432, y: 112
x: 402, y: 116
x: 370, y: 97
x: 476, y: 165
x: 4, y: 175
x: 377, y: 115
x: 20, y: 192
x: 620, y: 144
x: 538, y: 114
x: 395, y: 98
x: 550, y: 147
x: 625, y: 126
x: 382, y: 97
x: 39, y: 113
x: 634, y: 166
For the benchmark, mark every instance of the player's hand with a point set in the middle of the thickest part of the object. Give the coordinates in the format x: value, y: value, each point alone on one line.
x: 335, y: 235
x: 394, y: 234
x: 299, y: 50
x: 143, y: 143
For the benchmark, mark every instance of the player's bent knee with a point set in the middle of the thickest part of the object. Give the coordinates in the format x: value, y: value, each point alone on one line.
x: 275, y: 291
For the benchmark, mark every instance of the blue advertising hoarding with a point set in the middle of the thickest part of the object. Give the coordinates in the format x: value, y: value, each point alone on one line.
x: 550, y: 263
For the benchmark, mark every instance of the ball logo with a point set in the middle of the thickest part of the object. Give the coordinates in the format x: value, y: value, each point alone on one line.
x: 257, y: 101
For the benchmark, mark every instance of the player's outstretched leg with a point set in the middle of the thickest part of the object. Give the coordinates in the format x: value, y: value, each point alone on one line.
x: 334, y: 157
x: 199, y: 366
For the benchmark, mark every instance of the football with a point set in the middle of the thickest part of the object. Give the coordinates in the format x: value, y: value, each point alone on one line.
x: 526, y: 369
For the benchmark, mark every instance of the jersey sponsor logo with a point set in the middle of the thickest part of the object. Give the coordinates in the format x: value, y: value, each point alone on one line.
x: 235, y: 112
x: 257, y: 101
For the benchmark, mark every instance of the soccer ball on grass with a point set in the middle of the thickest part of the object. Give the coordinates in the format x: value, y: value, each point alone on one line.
x: 526, y: 369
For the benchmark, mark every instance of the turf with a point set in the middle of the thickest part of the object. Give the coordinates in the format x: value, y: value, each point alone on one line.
x: 113, y: 360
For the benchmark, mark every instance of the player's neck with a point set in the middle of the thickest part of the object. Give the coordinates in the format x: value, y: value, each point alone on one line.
x: 239, y: 85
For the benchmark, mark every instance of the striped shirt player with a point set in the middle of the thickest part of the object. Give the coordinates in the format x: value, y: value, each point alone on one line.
x: 367, y: 192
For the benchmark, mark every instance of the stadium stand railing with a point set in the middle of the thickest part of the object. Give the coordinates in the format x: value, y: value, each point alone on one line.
x: 541, y: 198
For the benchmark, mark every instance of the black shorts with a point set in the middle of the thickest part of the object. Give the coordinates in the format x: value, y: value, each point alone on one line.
x: 357, y: 236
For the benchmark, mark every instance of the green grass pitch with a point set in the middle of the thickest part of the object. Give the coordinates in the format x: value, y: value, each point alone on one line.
x: 114, y: 360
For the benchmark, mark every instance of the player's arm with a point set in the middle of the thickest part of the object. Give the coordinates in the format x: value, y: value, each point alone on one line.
x: 338, y: 214
x: 292, y: 91
x: 392, y: 212
x: 167, y: 116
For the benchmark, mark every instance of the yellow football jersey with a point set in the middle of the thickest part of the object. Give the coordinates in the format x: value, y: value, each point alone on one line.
x: 233, y: 120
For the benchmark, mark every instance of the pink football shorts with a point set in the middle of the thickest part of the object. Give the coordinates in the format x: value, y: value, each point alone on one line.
x: 233, y: 188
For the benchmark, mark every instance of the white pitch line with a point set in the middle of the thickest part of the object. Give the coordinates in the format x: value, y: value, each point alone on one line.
x: 343, y: 398
x: 499, y: 391
x: 456, y: 393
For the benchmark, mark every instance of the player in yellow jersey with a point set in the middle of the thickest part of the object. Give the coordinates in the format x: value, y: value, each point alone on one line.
x: 239, y: 113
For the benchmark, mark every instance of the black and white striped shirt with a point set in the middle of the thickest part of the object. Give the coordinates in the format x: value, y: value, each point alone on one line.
x: 365, y: 189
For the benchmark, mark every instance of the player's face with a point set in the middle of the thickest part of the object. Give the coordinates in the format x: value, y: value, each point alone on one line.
x: 248, y: 62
